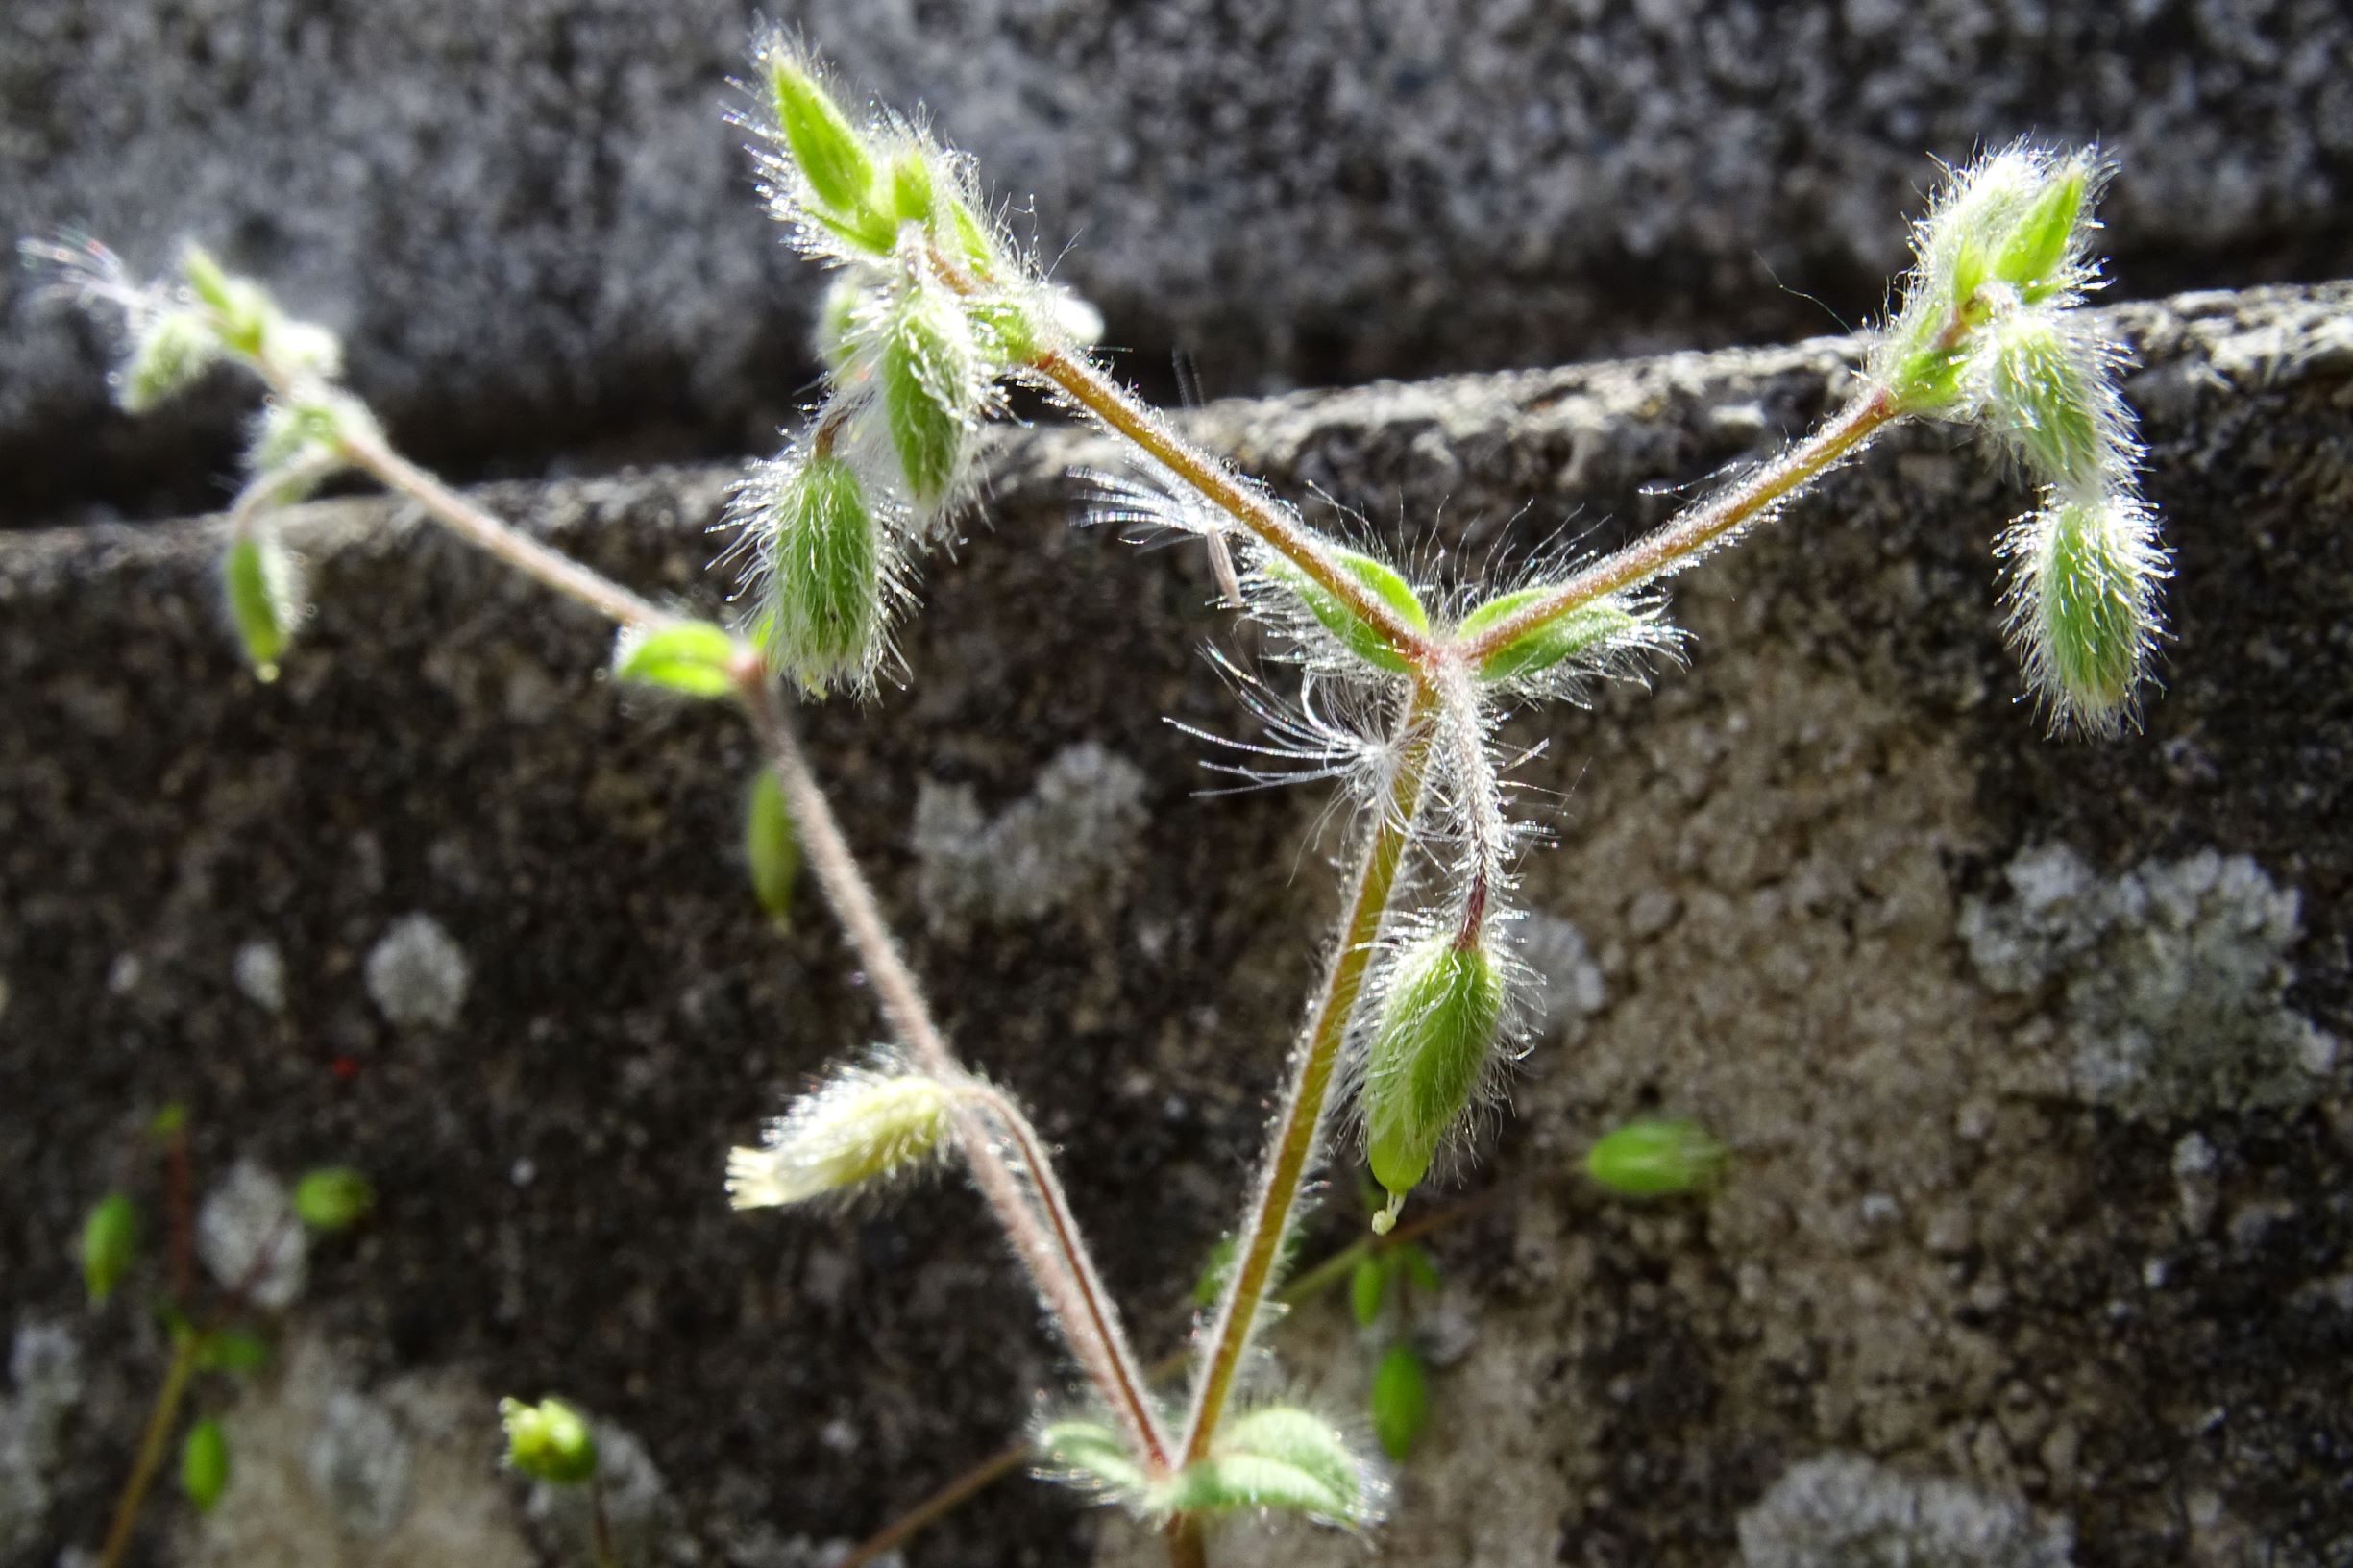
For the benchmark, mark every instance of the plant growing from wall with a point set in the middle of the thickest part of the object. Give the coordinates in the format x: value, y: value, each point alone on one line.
x: 1400, y: 683
x: 220, y: 1333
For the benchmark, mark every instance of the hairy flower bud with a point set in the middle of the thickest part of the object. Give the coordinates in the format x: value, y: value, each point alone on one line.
x: 2083, y: 603
x: 863, y: 1125
x: 261, y: 586
x: 830, y: 154
x: 1431, y: 1042
x: 168, y: 353
x: 2046, y: 392
x: 931, y: 391
x: 2032, y: 257
x: 822, y: 562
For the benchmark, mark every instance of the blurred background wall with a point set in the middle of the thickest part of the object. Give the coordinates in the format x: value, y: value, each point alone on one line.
x: 539, y: 236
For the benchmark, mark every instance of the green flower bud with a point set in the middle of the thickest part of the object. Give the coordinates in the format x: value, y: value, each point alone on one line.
x: 1401, y: 1401
x: 1656, y: 1159
x: 693, y: 658
x: 549, y: 1441
x: 1587, y: 628
x: 1275, y: 1457
x: 830, y: 154
x: 170, y: 352
x: 259, y: 581
x: 2085, y: 604
x: 1431, y: 1043
x: 861, y: 1126
x: 2031, y: 257
x: 822, y: 614
x: 333, y: 1198
x: 1356, y: 633
x: 931, y: 390
x: 770, y: 846
x: 203, y: 1465
x: 2043, y: 394
x: 242, y: 311
x: 911, y: 186
x: 109, y: 1245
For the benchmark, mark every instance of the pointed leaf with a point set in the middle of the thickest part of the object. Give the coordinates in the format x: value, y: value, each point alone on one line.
x: 690, y: 657
x: 771, y: 848
x: 1401, y: 1401
x: 1355, y: 633
x: 203, y: 1465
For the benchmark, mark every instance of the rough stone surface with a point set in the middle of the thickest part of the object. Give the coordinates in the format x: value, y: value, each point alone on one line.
x: 539, y: 237
x: 1926, y: 1255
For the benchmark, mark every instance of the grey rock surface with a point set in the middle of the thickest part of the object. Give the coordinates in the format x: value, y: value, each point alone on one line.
x: 1938, y: 1265
x: 539, y: 237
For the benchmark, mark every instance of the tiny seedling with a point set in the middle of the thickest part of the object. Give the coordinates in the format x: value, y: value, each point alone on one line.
x: 222, y: 1332
x: 1396, y: 684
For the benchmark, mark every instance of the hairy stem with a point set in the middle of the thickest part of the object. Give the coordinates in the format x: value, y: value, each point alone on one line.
x: 1680, y: 541
x: 1052, y: 1251
x: 501, y: 539
x: 151, y: 1443
x: 1299, y: 1126
x: 1078, y: 379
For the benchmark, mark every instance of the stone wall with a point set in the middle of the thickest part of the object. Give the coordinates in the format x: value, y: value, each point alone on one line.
x: 540, y: 238
x: 2034, y: 1250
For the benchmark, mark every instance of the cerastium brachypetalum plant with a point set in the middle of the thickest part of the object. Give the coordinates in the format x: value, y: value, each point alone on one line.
x: 933, y: 308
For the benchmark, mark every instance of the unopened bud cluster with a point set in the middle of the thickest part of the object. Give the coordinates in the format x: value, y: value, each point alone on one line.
x: 177, y: 328
x: 1990, y: 333
x: 930, y: 306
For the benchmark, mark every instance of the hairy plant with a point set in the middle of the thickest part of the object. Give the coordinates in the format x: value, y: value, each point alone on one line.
x: 1400, y: 687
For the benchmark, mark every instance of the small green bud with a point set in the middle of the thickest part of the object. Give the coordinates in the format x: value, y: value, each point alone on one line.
x: 861, y: 1126
x: 203, y: 1465
x: 169, y: 354
x: 1654, y: 1157
x: 333, y: 1198
x: 1401, y: 1401
x: 972, y: 239
x: 1275, y: 1457
x: 242, y: 311
x: 2030, y: 258
x: 830, y: 152
x: 1430, y: 1045
x: 693, y: 658
x: 2085, y: 604
x: 911, y: 186
x: 1587, y: 628
x: 822, y: 617
x: 549, y: 1441
x: 109, y: 1245
x: 1368, y: 1285
x: 2042, y: 394
x: 234, y: 1351
x: 260, y: 583
x: 931, y: 390
x: 1355, y: 633
x: 770, y: 846
x: 169, y: 1123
